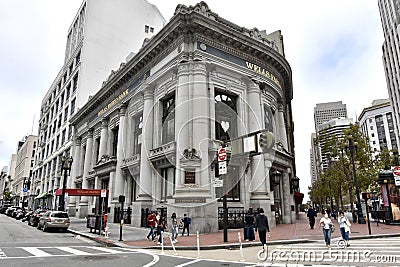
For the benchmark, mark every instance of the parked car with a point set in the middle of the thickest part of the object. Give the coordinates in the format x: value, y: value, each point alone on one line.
x: 21, y: 214
x: 15, y: 211
x: 55, y: 220
x: 27, y: 216
x: 34, y: 220
x: 4, y: 208
x: 10, y: 210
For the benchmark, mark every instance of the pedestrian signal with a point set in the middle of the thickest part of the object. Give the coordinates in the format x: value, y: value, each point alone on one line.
x: 366, y: 196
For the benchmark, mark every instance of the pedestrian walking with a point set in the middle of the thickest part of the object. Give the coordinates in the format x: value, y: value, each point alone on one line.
x: 249, y: 226
x: 311, y: 214
x: 326, y: 224
x: 186, y: 223
x: 174, y: 227
x: 152, y: 223
x: 344, y: 225
x: 161, y: 228
x: 262, y: 227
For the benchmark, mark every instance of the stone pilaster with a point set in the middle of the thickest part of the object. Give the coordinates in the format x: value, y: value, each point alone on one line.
x: 286, y: 215
x: 119, y: 177
x: 147, y: 144
x: 281, y: 125
x: 103, y: 138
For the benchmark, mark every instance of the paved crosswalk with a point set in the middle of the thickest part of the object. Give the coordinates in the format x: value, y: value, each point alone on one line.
x: 51, y: 251
x: 385, y: 251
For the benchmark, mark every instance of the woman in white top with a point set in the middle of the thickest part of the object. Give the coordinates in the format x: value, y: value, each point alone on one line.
x: 344, y: 225
x: 326, y: 225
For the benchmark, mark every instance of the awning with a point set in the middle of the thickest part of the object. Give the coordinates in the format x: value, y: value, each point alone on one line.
x: 42, y: 195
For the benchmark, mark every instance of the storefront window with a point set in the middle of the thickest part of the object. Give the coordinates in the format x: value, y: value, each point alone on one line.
x: 137, y: 135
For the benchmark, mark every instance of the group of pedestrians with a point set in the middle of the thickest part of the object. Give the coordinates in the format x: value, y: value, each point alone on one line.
x: 158, y: 225
x: 328, y: 226
x: 258, y: 223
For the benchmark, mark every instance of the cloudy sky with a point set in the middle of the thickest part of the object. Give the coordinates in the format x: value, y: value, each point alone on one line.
x: 333, y: 47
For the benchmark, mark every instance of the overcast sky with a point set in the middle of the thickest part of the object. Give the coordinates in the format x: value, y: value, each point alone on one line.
x: 333, y: 47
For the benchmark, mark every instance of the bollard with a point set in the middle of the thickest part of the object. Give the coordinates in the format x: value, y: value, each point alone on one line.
x: 162, y: 242
x: 241, y: 247
x: 172, y: 243
x: 198, y: 245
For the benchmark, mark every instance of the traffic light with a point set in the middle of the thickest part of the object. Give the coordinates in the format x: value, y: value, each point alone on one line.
x: 266, y: 140
x: 366, y: 196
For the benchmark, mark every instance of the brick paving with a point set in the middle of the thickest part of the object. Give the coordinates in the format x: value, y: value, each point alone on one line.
x: 300, y: 231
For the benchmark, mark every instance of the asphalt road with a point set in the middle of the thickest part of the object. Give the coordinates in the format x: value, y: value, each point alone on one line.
x: 24, y: 245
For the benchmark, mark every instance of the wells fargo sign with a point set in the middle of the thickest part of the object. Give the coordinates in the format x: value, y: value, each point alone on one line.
x: 113, y: 102
x: 260, y: 70
x: 80, y: 192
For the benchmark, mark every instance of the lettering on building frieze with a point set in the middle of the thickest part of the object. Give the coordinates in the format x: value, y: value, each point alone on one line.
x: 190, y: 200
x: 113, y: 102
x: 260, y: 70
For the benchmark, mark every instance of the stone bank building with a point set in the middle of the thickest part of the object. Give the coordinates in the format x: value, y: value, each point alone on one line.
x: 153, y: 130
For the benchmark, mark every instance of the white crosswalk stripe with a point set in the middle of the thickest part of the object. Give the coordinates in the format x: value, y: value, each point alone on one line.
x: 367, y: 251
x: 58, y: 251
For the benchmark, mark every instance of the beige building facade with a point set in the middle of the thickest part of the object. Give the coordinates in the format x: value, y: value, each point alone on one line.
x: 153, y: 130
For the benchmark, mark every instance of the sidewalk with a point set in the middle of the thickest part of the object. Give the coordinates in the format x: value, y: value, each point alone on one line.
x: 135, y: 237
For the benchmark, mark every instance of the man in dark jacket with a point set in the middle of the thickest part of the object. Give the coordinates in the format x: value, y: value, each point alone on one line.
x: 311, y: 214
x: 249, y: 226
x: 262, y: 227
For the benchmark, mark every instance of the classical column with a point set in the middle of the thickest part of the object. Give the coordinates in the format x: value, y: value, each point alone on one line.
x: 257, y: 182
x: 83, y: 204
x: 200, y: 121
x: 181, y: 119
x: 145, y: 189
x: 103, y: 138
x: 119, y: 176
x: 281, y: 125
x: 286, y: 197
x: 71, y: 208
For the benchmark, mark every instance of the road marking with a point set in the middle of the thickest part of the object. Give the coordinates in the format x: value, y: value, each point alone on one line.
x: 36, y: 252
x: 73, y: 251
x: 112, y: 251
x: 188, y: 263
x: 2, y: 254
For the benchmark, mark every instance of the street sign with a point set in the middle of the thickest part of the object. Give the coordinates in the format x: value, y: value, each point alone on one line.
x: 397, y: 180
x: 396, y: 170
x: 222, y: 168
x: 218, y: 183
x: 221, y: 154
x: 25, y: 189
x: 103, y: 193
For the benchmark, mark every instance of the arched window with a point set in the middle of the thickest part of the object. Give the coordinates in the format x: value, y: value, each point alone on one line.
x: 168, y: 120
x: 225, y: 116
x: 268, y: 119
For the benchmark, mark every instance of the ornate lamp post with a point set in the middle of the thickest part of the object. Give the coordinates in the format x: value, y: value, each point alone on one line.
x: 295, y: 184
x: 66, y: 166
x: 352, y: 147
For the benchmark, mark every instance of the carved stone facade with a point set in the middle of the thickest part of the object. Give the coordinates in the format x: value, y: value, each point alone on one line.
x: 200, y: 83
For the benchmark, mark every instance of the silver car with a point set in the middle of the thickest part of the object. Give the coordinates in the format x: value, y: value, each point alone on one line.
x: 54, y: 219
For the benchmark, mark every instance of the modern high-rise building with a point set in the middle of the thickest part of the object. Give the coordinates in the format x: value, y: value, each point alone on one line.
x: 377, y: 124
x: 324, y: 112
x: 390, y: 18
x: 26, y: 152
x: 335, y: 128
x: 101, y: 36
x: 149, y: 137
x: 328, y: 117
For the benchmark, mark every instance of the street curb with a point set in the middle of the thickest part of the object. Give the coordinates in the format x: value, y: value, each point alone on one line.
x: 108, y: 243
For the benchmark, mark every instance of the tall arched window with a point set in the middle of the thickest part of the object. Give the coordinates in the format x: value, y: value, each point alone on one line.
x: 225, y: 116
x: 168, y: 120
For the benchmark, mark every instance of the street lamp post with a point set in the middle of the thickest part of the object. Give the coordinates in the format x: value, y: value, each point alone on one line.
x: 66, y: 166
x: 352, y: 146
